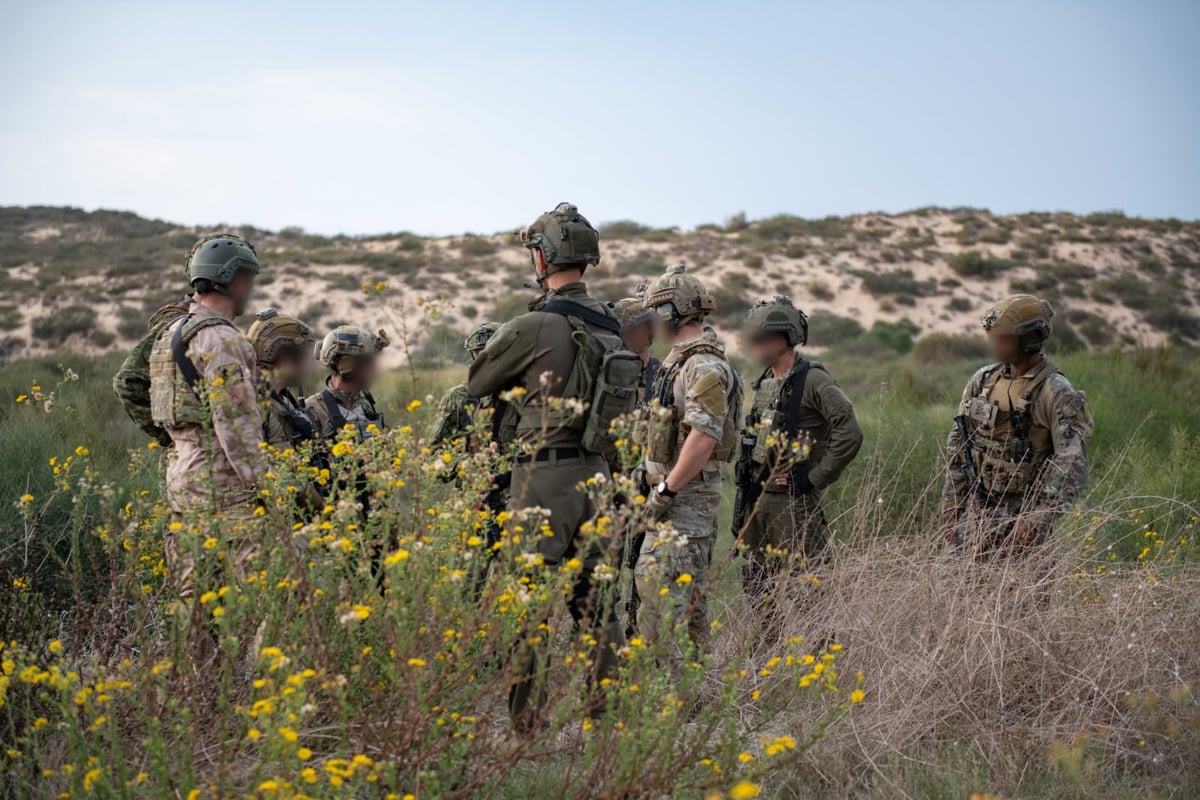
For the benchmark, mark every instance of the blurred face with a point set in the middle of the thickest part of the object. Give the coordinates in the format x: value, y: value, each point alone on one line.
x: 366, y: 373
x: 291, y: 367
x: 664, y: 321
x: 1004, y: 348
x: 239, y: 291
x: 639, y: 337
x: 764, y: 347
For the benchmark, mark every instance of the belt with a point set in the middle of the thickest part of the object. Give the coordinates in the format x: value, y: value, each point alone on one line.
x: 549, y: 453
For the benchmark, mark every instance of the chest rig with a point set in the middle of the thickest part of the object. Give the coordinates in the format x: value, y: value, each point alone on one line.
x: 177, y: 398
x: 666, y: 431
x: 776, y: 410
x: 1010, y: 448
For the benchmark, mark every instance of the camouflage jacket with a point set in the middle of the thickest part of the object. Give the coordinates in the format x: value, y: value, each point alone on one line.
x: 355, y: 408
x: 287, y: 422
x: 826, y: 416
x: 218, y: 465
x: 132, y: 381
x: 695, y: 383
x: 455, y: 415
x: 1029, y: 436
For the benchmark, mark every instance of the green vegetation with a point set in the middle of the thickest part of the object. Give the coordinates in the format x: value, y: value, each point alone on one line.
x: 974, y: 264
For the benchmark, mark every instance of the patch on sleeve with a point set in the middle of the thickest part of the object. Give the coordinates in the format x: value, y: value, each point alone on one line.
x: 710, y: 392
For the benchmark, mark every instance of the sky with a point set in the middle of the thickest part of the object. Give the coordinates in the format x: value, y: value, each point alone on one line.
x: 442, y: 118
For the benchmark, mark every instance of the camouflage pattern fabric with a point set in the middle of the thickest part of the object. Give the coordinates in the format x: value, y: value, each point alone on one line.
x: 279, y: 429
x: 455, y: 415
x: 1055, y: 471
x: 355, y: 406
x: 132, y: 381
x: 218, y: 465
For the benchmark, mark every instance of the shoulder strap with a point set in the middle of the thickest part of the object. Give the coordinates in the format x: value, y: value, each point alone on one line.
x: 336, y: 418
x: 569, y: 308
x: 791, y: 422
x: 187, y: 368
x: 373, y: 414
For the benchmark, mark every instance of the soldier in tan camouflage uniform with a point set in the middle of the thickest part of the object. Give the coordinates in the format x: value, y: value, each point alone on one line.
x: 352, y: 356
x: 1017, y: 454
x: 696, y: 403
x: 205, y: 393
x: 282, y: 345
x: 800, y: 435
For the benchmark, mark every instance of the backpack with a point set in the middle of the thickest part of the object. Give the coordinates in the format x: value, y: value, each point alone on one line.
x: 604, y: 370
x: 175, y: 393
x: 132, y: 381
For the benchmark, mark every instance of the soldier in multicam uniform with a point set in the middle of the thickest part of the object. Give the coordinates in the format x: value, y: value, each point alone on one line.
x: 456, y: 410
x: 540, y: 356
x: 205, y: 393
x: 282, y: 345
x: 696, y: 402
x: 800, y: 434
x: 1017, y: 454
x: 352, y: 356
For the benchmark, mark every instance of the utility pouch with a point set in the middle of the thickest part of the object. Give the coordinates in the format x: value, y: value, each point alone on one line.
x: 762, y: 433
x: 660, y: 444
x: 1005, y: 478
x: 981, y: 412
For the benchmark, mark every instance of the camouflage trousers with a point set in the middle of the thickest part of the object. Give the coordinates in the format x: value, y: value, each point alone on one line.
x: 984, y: 529
x: 677, y: 559
x: 183, y: 542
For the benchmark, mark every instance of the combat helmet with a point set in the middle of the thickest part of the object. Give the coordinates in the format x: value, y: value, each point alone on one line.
x: 478, y: 338
x: 779, y: 315
x: 1023, y: 316
x: 218, y: 258
x: 630, y: 313
x: 347, y: 346
x: 565, y: 238
x: 271, y: 333
x: 679, y: 295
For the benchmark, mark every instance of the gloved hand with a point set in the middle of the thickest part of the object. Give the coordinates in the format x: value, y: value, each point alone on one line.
x: 657, y: 506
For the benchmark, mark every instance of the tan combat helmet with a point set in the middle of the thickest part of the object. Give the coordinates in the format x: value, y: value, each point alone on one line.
x: 478, y: 338
x: 271, y: 333
x: 679, y: 296
x: 630, y: 313
x: 778, y: 315
x: 1023, y: 316
x: 347, y: 346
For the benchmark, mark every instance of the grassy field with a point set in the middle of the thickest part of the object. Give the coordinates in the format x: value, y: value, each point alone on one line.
x: 971, y: 686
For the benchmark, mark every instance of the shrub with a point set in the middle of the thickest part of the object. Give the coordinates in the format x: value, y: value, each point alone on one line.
x: 623, y: 229
x: 820, y: 291
x: 1175, y: 320
x: 896, y: 282
x: 54, y: 329
x: 796, y: 251
x: 896, y: 335
x: 753, y: 261
x: 974, y: 264
x: 960, y: 304
x: 477, y: 246
x: 944, y: 347
x: 829, y: 330
x: 736, y: 223
x: 1097, y: 330
x: 509, y: 306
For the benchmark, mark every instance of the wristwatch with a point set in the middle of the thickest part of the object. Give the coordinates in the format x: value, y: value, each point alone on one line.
x: 665, y: 490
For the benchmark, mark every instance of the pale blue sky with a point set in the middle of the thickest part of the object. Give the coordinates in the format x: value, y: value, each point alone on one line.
x: 444, y: 117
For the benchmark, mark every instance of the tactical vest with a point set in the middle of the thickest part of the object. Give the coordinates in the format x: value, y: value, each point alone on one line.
x: 776, y: 410
x: 337, y: 420
x: 175, y: 382
x: 666, y: 432
x: 298, y: 424
x: 604, y: 375
x: 1009, y: 449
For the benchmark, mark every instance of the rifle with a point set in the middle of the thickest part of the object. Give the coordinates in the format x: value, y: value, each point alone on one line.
x: 633, y: 548
x: 969, y: 465
x: 749, y: 488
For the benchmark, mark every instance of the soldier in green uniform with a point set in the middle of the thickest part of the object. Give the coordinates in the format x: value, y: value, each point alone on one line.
x: 1017, y: 453
x: 205, y: 393
x: 282, y: 345
x: 695, y: 404
x: 536, y: 356
x: 351, y: 355
x: 456, y: 410
x: 800, y: 434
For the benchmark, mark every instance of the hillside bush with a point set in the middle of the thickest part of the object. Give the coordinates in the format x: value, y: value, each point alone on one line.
x: 896, y: 335
x: 54, y: 329
x: 943, y: 347
x: 974, y: 264
x: 894, y: 283
x: 829, y: 330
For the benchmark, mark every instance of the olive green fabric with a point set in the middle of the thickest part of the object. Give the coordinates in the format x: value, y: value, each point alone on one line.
x: 279, y: 428
x: 132, y: 381
x: 565, y: 238
x: 778, y: 315
x: 219, y: 258
x: 356, y: 409
x: 535, y: 354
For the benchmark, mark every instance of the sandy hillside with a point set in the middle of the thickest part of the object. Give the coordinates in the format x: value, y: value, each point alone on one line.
x: 87, y: 281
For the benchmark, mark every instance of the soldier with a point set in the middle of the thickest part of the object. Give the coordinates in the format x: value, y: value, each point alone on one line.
x: 456, y: 410
x: 539, y: 355
x: 637, y: 330
x: 205, y: 394
x: 1017, y: 454
x: 132, y: 381
x: 696, y: 401
x: 352, y: 356
x: 779, y: 514
x: 282, y: 345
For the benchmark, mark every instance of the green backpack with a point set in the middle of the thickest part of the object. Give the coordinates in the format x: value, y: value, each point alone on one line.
x: 605, y: 370
x: 132, y: 381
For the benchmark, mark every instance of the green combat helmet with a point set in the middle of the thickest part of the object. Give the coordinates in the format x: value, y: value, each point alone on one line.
x: 272, y: 332
x: 685, y: 296
x: 347, y: 346
x: 478, y: 338
x: 565, y: 238
x: 630, y: 313
x: 779, y: 315
x: 1023, y: 316
x: 218, y: 258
